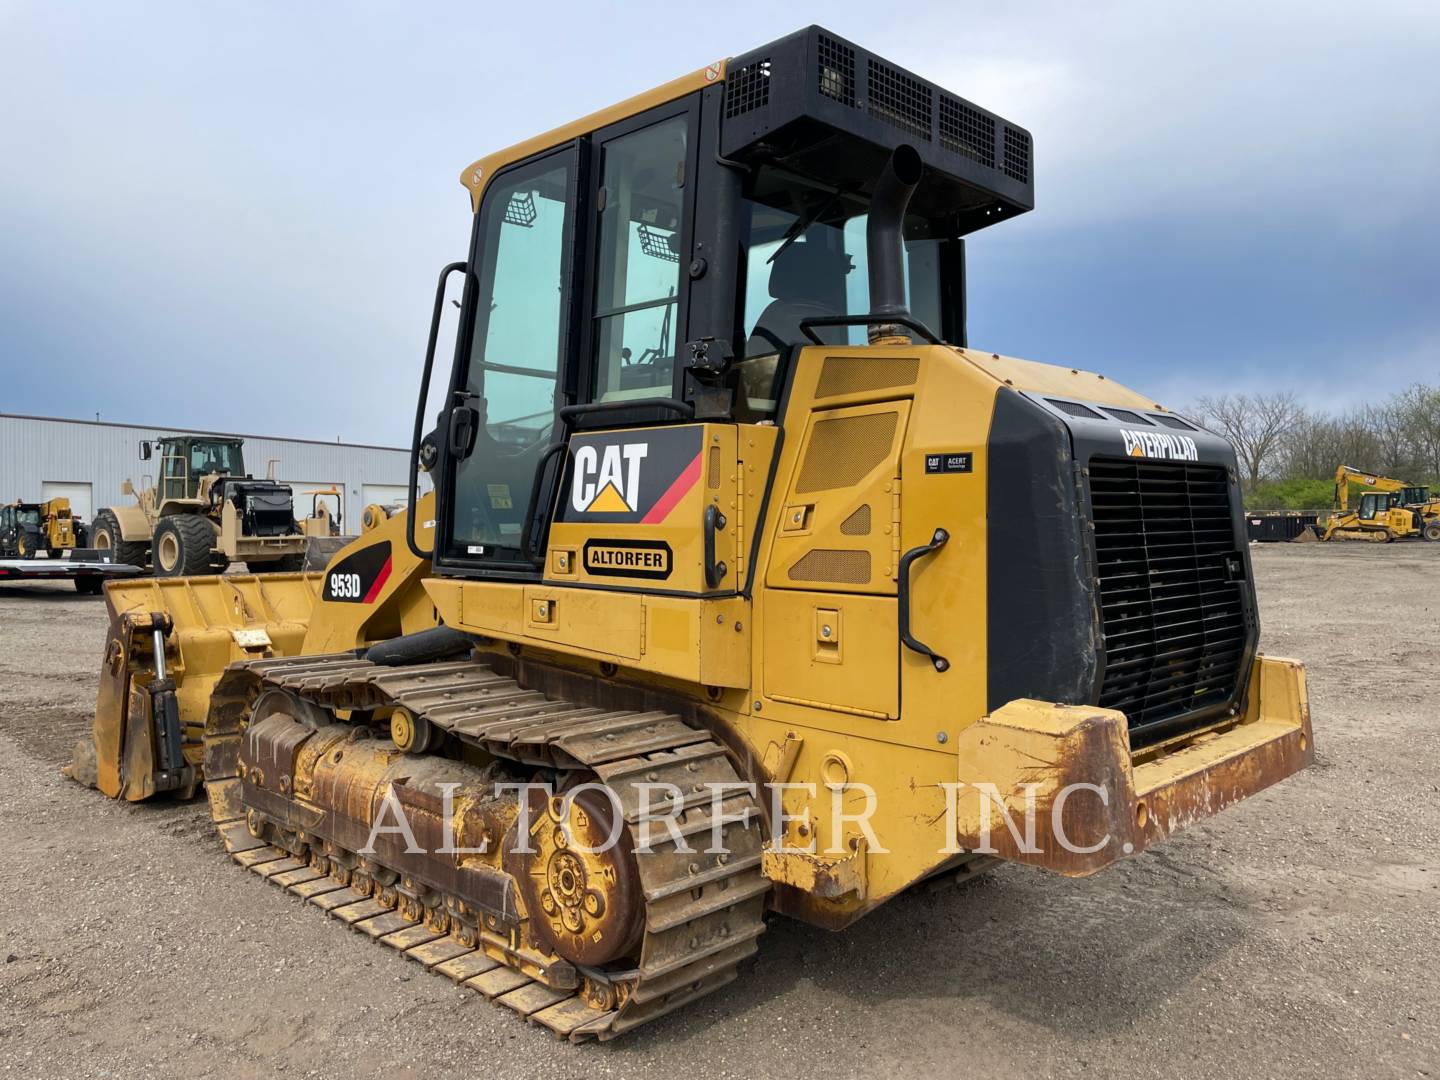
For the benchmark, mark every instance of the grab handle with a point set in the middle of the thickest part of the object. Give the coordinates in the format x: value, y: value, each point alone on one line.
x: 937, y: 541
x: 714, y: 571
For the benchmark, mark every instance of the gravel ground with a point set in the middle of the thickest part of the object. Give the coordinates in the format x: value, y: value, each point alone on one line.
x: 1295, y: 935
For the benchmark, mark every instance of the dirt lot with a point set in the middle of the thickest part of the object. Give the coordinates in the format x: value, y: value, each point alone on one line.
x: 1296, y: 935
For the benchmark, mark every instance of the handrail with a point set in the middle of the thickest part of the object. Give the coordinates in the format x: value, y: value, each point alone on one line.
x: 414, y: 484
x: 872, y: 319
x: 684, y: 408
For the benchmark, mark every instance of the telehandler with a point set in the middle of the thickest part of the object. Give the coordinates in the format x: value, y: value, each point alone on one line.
x: 726, y: 513
x: 26, y: 529
x: 1391, y: 510
x: 208, y: 512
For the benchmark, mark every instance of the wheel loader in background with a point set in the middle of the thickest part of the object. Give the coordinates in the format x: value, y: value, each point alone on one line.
x: 208, y: 512
x: 1392, y: 510
x: 726, y: 509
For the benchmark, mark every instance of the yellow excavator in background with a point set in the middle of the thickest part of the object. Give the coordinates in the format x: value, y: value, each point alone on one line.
x: 731, y: 533
x: 1391, y: 510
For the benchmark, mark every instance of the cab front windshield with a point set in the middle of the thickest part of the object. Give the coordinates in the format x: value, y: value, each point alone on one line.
x: 208, y: 458
x: 28, y: 517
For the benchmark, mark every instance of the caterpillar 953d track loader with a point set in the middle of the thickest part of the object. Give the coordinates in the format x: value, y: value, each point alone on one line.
x: 741, y: 576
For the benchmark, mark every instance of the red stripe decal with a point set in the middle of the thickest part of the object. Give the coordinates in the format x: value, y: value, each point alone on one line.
x: 380, y: 580
x: 674, y: 493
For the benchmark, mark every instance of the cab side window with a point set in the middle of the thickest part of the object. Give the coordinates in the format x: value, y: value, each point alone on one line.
x: 638, y: 274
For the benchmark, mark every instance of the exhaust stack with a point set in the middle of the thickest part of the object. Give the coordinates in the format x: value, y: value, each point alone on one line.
x: 884, y: 237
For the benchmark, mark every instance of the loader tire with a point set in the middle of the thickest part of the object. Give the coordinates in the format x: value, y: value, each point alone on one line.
x: 106, y: 536
x: 182, y: 546
x: 1432, y: 530
x: 24, y: 547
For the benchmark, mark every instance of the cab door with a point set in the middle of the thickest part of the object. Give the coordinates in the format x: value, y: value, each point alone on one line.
x: 639, y: 232
x: 510, y: 362
x: 174, y: 472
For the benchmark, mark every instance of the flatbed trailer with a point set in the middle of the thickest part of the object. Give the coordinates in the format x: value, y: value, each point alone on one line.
x: 87, y: 567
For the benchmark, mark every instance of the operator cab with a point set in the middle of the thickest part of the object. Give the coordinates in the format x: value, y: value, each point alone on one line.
x: 184, y: 460
x: 663, y: 266
x: 1375, y: 504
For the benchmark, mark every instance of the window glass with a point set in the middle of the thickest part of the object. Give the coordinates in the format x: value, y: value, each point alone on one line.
x: 515, y: 353
x: 29, y: 517
x: 806, y: 257
x: 173, y: 470
x: 212, y: 458
x: 638, y: 272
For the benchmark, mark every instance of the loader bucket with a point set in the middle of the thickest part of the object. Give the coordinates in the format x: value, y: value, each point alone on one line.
x: 150, y: 710
x: 152, y: 706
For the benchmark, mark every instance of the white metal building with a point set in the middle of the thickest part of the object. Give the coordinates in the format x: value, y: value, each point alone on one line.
x: 44, y: 457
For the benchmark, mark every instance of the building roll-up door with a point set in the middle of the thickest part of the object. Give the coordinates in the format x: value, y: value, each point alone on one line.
x: 78, y: 492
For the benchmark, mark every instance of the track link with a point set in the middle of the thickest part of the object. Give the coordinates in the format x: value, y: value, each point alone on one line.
x: 703, y: 913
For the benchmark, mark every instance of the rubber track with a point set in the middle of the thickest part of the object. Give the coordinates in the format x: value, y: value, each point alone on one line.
x: 703, y: 914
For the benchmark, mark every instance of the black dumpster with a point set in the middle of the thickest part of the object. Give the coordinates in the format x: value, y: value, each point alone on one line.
x: 1277, y: 526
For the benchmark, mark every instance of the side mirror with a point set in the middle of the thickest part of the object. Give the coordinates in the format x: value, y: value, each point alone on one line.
x: 144, y: 451
x: 127, y: 488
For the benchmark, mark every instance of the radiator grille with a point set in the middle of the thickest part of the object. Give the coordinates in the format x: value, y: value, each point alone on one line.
x: 1173, y: 421
x: 1074, y: 408
x: 1129, y: 417
x: 1171, y: 594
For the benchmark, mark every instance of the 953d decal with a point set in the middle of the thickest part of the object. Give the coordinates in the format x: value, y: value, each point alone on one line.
x: 358, y: 578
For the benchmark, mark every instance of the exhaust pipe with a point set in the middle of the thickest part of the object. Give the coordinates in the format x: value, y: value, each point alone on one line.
x: 884, y: 237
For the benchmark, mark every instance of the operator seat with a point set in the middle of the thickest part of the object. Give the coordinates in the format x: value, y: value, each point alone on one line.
x: 805, y: 279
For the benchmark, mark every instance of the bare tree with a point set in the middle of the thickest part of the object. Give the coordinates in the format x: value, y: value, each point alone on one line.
x: 1255, y: 424
x: 1419, y: 405
x: 1317, y: 444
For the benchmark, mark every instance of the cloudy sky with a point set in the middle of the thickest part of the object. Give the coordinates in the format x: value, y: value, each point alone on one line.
x: 232, y: 214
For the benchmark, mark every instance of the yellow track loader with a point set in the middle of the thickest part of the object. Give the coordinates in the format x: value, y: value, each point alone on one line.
x: 746, y: 586
x: 1391, y: 510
